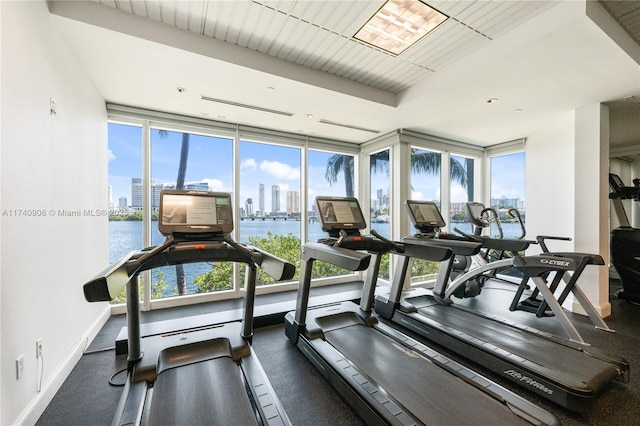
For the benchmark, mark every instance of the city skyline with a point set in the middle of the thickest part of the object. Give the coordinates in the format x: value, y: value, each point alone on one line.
x: 210, y: 160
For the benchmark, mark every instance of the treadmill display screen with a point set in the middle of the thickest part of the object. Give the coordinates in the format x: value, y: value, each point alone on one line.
x: 194, y: 212
x: 338, y: 213
x: 424, y: 214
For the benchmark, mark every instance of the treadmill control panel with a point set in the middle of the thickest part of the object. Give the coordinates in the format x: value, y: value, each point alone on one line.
x: 194, y: 212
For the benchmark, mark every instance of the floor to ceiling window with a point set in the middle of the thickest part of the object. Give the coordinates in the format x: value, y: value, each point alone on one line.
x: 125, y: 190
x: 270, y: 196
x: 379, y: 219
x: 329, y: 174
x: 425, y: 186
x: 508, y: 193
x: 274, y: 179
x: 274, y: 211
x: 461, y: 191
x: 183, y: 160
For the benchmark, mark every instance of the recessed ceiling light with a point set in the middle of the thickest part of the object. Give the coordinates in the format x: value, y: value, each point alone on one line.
x: 399, y: 24
x: 492, y: 100
x: 271, y: 89
x: 181, y: 89
x: 309, y: 115
x: 517, y: 110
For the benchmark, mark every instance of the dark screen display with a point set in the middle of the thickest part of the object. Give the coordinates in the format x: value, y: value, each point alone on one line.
x: 424, y: 214
x: 340, y: 213
x: 194, y: 212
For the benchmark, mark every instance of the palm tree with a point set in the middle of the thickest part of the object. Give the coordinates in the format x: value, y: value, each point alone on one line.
x: 181, y: 283
x: 429, y: 162
x: 337, y: 164
x: 421, y: 162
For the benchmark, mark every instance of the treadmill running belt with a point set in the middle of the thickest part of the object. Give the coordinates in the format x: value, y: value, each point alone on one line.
x: 428, y: 391
x: 566, y: 364
x: 208, y: 392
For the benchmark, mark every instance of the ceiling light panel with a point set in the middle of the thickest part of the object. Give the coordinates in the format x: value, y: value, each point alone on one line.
x: 399, y: 24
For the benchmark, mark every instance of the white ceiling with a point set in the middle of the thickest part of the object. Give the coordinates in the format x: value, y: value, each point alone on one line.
x: 279, y: 61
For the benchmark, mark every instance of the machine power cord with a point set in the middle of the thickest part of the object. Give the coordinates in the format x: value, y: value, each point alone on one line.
x: 41, y: 358
x: 113, y: 376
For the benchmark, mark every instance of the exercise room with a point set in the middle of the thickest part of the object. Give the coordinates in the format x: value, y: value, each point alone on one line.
x: 318, y: 212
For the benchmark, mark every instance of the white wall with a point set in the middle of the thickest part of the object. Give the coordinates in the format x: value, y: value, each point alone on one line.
x: 48, y: 163
x: 592, y: 199
x: 550, y: 178
x: 565, y: 196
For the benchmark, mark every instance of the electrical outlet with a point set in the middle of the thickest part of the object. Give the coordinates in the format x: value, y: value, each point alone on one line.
x: 38, y: 348
x: 19, y: 367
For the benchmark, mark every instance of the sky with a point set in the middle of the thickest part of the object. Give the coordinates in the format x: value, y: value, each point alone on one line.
x: 210, y: 159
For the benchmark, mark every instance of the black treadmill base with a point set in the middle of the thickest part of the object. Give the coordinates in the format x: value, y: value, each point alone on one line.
x: 573, y: 393
x: 390, y: 378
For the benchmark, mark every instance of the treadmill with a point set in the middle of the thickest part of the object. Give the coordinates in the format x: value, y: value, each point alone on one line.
x: 386, y: 376
x: 208, y: 375
x: 569, y: 372
x: 625, y: 240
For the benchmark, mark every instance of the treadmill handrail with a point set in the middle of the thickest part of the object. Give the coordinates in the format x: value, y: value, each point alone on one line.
x: 512, y: 245
x: 339, y: 256
x: 538, y: 265
x: 458, y: 247
x: 107, y: 284
x: 542, y: 240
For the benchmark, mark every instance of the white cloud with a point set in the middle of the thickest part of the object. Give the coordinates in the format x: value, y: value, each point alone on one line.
x: 112, y: 156
x: 215, y: 185
x: 249, y: 163
x: 280, y: 170
x: 417, y: 195
x: 459, y: 194
x: 284, y: 187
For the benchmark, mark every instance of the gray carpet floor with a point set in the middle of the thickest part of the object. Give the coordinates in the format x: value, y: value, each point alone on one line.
x: 87, y: 398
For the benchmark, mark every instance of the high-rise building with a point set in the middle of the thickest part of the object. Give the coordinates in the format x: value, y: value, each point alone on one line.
x: 136, y: 193
x: 293, y: 202
x: 275, y: 198
x: 122, y: 203
x: 505, y: 202
x: 248, y: 207
x: 155, y: 194
x: 261, y: 199
x: 197, y: 186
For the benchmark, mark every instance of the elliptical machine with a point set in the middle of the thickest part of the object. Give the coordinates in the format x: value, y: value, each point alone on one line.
x: 625, y: 240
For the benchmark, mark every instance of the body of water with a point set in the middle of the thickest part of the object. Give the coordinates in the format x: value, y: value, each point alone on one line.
x: 125, y: 236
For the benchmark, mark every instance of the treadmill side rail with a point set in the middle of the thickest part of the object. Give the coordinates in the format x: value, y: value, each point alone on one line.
x: 108, y: 283
x: 344, y: 258
x: 131, y: 404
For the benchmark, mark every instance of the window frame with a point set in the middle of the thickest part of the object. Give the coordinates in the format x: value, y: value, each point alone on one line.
x: 149, y: 120
x: 398, y: 143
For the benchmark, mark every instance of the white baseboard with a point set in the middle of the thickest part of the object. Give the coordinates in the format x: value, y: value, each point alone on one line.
x: 41, y: 400
x: 603, y: 310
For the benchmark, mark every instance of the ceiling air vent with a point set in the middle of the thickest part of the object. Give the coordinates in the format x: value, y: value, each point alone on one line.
x: 253, y: 107
x: 348, y: 126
